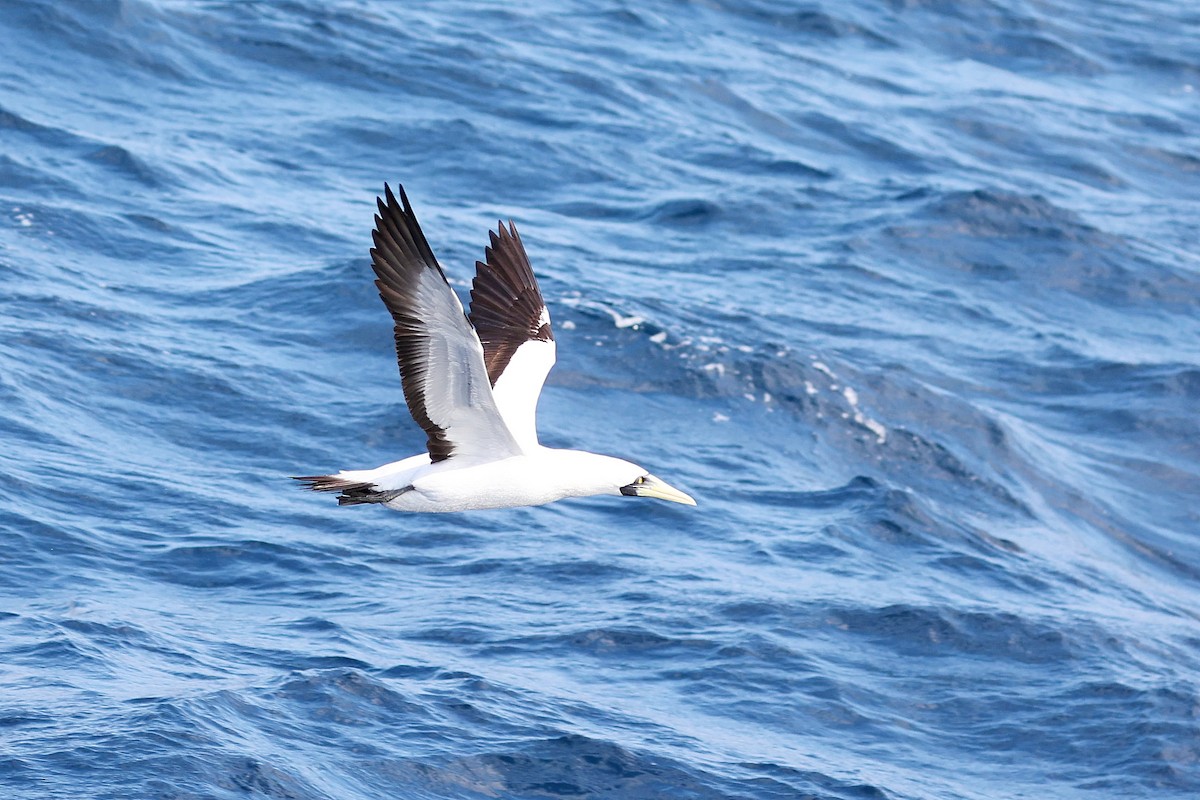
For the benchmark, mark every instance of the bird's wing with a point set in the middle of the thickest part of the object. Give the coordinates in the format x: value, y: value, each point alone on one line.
x: 441, y: 360
x: 513, y: 324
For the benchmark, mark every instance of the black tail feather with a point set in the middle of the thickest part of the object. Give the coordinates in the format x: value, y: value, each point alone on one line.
x: 331, y: 483
x: 352, y: 492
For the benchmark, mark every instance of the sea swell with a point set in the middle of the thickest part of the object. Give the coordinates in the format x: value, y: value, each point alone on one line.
x: 904, y: 293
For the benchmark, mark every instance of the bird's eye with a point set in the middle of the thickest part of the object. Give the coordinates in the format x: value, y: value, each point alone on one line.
x: 641, y: 480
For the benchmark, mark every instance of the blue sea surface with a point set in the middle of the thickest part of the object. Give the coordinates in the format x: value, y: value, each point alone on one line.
x: 905, y: 292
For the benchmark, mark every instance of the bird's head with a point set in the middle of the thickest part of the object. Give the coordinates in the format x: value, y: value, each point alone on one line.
x: 628, y: 479
x: 646, y: 485
x: 591, y: 474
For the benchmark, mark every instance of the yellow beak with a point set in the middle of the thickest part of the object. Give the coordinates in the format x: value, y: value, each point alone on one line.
x: 655, y: 487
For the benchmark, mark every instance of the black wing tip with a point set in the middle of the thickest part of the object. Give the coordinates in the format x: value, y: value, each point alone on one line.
x: 391, y: 198
x: 389, y: 205
x: 402, y: 204
x: 504, y: 231
x: 507, y: 307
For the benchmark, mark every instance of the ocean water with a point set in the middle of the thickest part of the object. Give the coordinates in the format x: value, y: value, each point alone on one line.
x: 905, y: 292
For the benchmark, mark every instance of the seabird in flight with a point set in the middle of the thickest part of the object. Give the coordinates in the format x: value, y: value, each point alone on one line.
x: 472, y: 383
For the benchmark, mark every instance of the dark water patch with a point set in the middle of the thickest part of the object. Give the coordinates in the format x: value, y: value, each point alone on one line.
x: 247, y: 564
x: 155, y: 225
x: 110, y: 235
x: 992, y: 214
x: 842, y: 136
x: 486, y: 566
x: 282, y: 297
x: 833, y: 498
x: 813, y: 783
x: 294, y: 39
x: 129, y: 34
x: 316, y: 625
x: 53, y: 553
x: 1147, y: 122
x: 843, y: 405
x: 569, y: 766
x: 409, y: 672
x: 634, y: 642
x: 630, y: 642
x: 347, y: 697
x: 675, y: 212
x: 976, y: 568
x: 25, y: 180
x: 1172, y: 161
x: 1042, y: 52
x: 448, y: 539
x: 580, y: 572
x: 1066, y: 373
x: 686, y: 211
x: 823, y: 25
x: 997, y: 234
x: 767, y: 654
x: 122, y: 162
x: 1180, y: 69
x: 456, y: 634
x: 49, y: 136
x: 1153, y: 750
x: 811, y: 21
x: 58, y: 649
x: 755, y: 115
x: 934, y: 632
x: 115, y: 634
x: 744, y: 158
x: 1010, y: 38
x: 864, y: 515
x: 254, y: 777
x: 411, y: 138
x: 801, y: 713
x: 934, y: 457
x: 288, y: 661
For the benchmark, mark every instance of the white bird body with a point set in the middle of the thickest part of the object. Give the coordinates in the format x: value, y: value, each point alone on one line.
x: 472, y: 383
x: 542, y: 476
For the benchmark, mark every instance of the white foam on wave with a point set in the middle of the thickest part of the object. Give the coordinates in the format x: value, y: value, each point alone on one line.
x: 874, y: 426
x: 619, y: 320
x: 819, y: 366
x: 716, y: 345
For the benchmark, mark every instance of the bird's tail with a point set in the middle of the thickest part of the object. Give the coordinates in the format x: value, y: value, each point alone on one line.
x: 352, y: 493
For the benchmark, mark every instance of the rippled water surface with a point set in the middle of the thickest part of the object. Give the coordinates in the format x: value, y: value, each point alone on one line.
x: 905, y: 292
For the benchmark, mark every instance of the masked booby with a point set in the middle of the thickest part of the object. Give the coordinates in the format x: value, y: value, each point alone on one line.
x: 472, y: 383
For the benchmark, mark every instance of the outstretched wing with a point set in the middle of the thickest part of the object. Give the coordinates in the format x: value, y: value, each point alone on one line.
x: 446, y: 384
x: 513, y: 324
